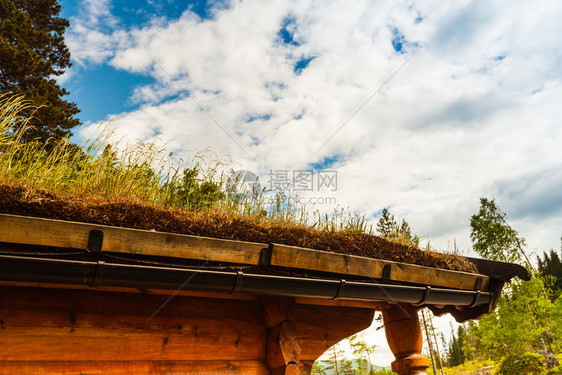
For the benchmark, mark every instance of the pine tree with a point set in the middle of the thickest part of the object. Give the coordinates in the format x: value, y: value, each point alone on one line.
x: 471, y: 342
x: 386, y: 226
x: 32, y: 53
x: 405, y: 231
x: 551, y: 265
x: 455, y: 351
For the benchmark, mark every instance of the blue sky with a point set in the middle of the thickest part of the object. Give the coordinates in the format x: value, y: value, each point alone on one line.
x: 103, y: 89
x: 434, y: 93
x: 423, y: 107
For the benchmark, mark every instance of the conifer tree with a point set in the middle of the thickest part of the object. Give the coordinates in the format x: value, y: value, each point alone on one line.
x: 551, y: 265
x: 386, y: 226
x: 32, y: 54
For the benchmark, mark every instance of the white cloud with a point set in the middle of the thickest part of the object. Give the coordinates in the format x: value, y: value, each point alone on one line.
x: 475, y: 113
x: 477, y: 104
x: 94, y: 34
x: 65, y: 77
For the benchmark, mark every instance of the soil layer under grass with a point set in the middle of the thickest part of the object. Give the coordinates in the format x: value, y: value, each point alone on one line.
x: 24, y: 201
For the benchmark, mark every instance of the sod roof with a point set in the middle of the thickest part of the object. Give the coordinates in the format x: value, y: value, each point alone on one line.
x: 25, y: 201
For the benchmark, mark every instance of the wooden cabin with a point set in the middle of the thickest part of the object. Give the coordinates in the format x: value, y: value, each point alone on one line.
x: 81, y: 298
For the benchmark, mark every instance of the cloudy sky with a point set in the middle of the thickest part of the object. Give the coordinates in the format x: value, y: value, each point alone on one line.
x: 420, y: 107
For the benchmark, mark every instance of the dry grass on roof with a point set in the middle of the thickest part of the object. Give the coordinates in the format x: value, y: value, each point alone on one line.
x: 25, y: 201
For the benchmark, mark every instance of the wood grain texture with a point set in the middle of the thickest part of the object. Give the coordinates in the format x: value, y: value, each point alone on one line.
x: 318, y: 260
x: 404, y: 337
x: 70, y: 331
x: 48, y: 232
x: 116, y: 289
x: 320, y: 327
x: 135, y: 367
x: 299, y: 333
x: 73, y: 325
x: 373, y: 305
x: 283, y: 345
x: 92, y: 345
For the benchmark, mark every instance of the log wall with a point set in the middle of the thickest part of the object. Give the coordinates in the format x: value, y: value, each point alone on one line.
x: 81, y: 331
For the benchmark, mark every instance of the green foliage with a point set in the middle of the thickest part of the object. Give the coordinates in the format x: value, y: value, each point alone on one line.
x: 382, y: 371
x: 342, y: 220
x: 557, y: 324
x: 555, y: 371
x: 336, y: 355
x: 193, y: 192
x: 478, y: 366
x: 138, y: 172
x: 526, y: 319
x: 388, y: 228
x: 492, y: 237
x: 337, y: 363
x: 522, y: 321
x: 318, y: 368
x: 363, y: 350
x: 454, y: 353
x: 526, y: 363
x: 471, y: 347
x: 32, y: 52
x: 346, y: 367
x: 551, y: 265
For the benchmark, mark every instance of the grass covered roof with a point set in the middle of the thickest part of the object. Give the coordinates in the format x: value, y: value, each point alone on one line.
x: 138, y: 186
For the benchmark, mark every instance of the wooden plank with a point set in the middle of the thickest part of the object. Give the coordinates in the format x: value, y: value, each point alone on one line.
x: 116, y: 289
x: 75, y: 325
x: 373, y: 305
x: 92, y: 344
x: 47, y: 232
x: 41, y: 325
x: 134, y: 367
x: 318, y: 260
x: 135, y: 309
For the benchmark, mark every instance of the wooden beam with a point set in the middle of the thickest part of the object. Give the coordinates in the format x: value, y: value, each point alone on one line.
x: 283, y: 343
x: 48, y: 232
x: 116, y: 289
x: 76, y: 325
x: 91, y: 344
x: 299, y: 334
x: 283, y: 346
x: 56, y: 233
x: 373, y: 305
x: 253, y: 367
x: 318, y: 260
x: 45, y: 330
x: 320, y: 327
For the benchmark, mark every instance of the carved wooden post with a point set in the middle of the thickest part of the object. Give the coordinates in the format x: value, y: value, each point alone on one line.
x: 404, y: 336
x: 283, y: 342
